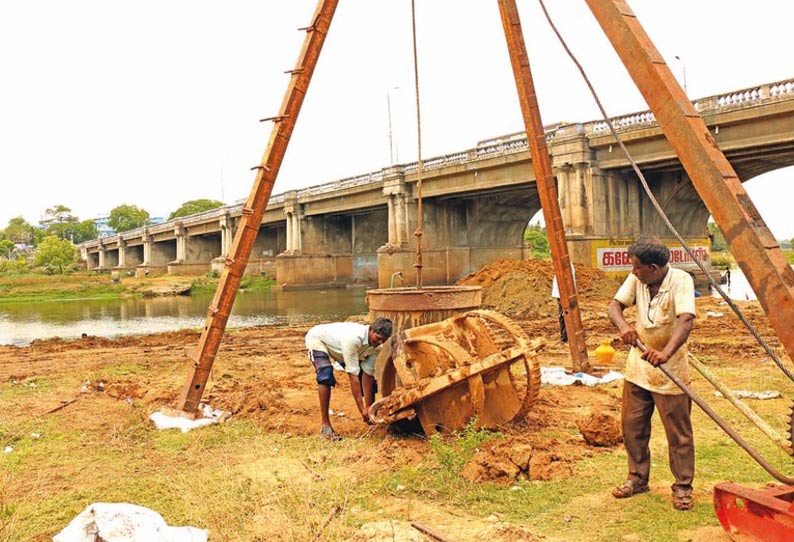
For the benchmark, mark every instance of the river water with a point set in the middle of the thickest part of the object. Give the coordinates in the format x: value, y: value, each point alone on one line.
x: 20, y: 324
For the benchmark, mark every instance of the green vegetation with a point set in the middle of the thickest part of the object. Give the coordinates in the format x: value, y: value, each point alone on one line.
x: 195, y: 206
x: 28, y: 287
x: 127, y: 217
x: 208, y: 283
x: 718, y: 243
x: 535, y: 235
x: 54, y: 253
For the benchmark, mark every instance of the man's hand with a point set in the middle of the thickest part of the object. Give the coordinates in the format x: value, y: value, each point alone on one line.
x: 654, y: 357
x: 629, y: 336
x: 365, y: 416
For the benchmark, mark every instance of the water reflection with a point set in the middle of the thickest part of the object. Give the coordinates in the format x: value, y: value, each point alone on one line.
x: 739, y: 289
x: 22, y: 323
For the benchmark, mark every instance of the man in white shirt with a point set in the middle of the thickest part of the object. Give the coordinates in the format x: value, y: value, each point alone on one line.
x: 348, y: 347
x: 665, y: 301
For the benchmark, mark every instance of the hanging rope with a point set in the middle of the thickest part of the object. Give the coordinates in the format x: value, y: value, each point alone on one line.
x: 418, y: 232
x: 658, y: 207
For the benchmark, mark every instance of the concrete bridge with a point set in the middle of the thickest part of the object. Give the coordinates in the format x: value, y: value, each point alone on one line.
x: 477, y: 203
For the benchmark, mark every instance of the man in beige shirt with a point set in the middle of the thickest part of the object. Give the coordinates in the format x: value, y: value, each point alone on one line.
x: 665, y: 301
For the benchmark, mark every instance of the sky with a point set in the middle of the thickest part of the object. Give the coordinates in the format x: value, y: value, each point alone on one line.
x: 157, y: 102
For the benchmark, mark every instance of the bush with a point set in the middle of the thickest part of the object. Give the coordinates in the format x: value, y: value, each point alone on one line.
x: 13, y: 268
x: 721, y: 260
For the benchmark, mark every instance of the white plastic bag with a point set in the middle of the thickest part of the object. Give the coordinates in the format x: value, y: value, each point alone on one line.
x: 122, y: 522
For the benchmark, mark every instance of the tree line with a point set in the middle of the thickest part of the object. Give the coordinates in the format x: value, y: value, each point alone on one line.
x: 50, y: 243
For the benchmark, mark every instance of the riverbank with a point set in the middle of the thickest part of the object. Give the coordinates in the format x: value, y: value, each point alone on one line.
x: 40, y: 288
x: 75, y: 422
x: 35, y: 288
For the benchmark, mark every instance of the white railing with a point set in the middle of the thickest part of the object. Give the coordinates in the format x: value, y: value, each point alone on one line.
x: 502, y: 146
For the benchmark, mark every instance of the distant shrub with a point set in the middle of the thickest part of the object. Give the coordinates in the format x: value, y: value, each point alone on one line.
x: 10, y: 268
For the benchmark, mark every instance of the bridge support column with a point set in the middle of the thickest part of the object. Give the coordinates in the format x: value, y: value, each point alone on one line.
x: 395, y: 190
x: 181, y: 243
x: 293, y: 211
x: 103, y: 258
x: 122, y: 253
x: 227, y: 234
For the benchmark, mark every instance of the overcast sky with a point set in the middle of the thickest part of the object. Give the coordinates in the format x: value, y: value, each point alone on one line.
x: 154, y: 103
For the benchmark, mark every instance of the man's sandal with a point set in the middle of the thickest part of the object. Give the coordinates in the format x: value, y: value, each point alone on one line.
x: 682, y: 499
x: 629, y: 488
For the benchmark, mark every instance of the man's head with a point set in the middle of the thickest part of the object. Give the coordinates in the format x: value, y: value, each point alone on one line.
x: 379, y: 331
x: 649, y: 258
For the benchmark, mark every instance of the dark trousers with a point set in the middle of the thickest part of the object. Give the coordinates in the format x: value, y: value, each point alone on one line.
x: 674, y: 410
x: 561, y: 316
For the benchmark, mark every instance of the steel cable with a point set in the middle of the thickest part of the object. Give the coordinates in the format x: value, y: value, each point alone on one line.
x: 656, y: 204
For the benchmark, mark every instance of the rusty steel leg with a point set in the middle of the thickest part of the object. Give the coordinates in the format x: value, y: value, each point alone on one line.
x: 755, y: 248
x: 544, y: 177
x: 254, y: 208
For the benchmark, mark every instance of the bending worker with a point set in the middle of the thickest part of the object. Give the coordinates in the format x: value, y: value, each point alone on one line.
x: 348, y: 347
x: 665, y: 302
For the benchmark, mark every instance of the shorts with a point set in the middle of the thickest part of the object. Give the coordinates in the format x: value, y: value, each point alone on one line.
x: 323, y: 368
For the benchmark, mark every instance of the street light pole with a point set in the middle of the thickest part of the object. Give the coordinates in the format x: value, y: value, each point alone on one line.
x: 683, y: 69
x: 388, y: 111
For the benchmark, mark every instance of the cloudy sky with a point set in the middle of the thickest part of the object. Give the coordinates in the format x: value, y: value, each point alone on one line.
x: 153, y: 103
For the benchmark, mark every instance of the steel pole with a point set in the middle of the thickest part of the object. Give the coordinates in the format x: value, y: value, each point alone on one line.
x: 536, y: 137
x: 221, y: 306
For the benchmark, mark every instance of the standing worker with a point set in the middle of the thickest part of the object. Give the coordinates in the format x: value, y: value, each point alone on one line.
x: 555, y: 293
x: 353, y: 349
x: 665, y: 302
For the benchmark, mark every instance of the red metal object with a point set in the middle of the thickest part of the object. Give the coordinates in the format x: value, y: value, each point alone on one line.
x: 752, y: 515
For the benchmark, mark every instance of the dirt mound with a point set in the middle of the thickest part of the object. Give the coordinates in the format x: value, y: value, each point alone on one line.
x: 600, y: 429
x: 504, y: 461
x: 522, y: 289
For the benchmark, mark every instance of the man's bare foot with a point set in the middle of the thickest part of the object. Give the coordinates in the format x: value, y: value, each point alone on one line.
x: 326, y: 431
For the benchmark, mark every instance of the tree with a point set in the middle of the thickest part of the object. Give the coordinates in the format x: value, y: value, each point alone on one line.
x: 19, y: 231
x: 195, y: 206
x: 6, y: 246
x: 60, y: 222
x: 538, y: 240
x: 127, y: 217
x: 55, y: 253
x: 85, y: 231
x: 718, y: 243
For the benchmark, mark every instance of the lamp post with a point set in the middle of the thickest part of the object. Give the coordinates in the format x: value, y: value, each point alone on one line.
x: 388, y: 111
x: 683, y: 70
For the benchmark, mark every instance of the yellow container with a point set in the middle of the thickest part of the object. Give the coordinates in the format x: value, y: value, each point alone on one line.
x: 604, y: 352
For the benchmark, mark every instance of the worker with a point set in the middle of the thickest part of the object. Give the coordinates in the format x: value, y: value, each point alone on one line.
x: 348, y: 347
x: 665, y: 303
x: 555, y: 293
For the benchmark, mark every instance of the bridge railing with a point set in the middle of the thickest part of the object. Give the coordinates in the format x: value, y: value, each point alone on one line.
x: 506, y: 145
x: 737, y: 99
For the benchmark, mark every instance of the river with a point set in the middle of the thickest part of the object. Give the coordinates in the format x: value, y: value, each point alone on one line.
x: 22, y: 323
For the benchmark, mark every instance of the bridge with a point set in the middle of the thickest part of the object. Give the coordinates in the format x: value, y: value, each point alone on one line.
x: 476, y: 204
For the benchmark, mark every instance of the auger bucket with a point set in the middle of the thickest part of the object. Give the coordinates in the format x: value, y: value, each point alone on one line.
x: 478, y: 365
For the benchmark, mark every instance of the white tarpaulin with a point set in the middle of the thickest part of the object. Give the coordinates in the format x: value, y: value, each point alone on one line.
x: 208, y: 416
x: 558, y: 376
x: 122, y: 522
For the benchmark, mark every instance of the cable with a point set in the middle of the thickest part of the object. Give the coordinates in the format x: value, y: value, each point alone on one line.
x: 658, y: 207
x: 418, y: 232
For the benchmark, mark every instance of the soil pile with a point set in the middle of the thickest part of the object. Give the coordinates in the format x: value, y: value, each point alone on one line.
x: 522, y: 289
x: 600, y: 429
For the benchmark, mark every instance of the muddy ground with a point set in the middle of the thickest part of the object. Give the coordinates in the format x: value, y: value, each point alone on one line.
x: 261, y: 376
